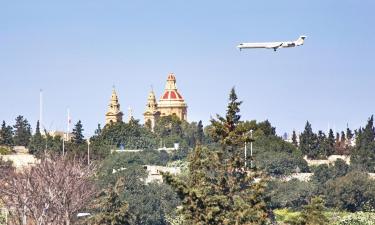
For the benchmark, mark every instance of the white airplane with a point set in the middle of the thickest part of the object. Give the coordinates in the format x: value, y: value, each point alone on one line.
x: 274, y: 45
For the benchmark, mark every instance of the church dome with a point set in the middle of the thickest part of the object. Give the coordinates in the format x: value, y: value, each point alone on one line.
x: 171, y: 93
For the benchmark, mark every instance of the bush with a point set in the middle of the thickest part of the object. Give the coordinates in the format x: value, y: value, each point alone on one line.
x: 353, y: 192
x: 278, y: 157
x: 4, y: 150
x: 291, y: 194
x: 359, y: 218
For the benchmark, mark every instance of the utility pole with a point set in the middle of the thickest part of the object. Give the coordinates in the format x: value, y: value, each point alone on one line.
x: 245, y: 155
x: 88, y: 152
x: 251, y: 148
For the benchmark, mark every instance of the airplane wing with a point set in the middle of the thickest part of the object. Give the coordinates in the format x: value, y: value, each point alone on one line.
x: 275, y: 46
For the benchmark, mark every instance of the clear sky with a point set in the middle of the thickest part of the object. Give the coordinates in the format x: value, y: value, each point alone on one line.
x: 77, y: 50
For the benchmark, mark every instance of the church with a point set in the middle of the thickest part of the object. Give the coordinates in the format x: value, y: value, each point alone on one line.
x: 171, y: 103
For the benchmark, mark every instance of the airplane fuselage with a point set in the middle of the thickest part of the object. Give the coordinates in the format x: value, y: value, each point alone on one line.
x: 273, y: 45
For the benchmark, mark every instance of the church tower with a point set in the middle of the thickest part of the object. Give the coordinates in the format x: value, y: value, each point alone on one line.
x: 114, y: 113
x: 172, y: 102
x: 151, y: 114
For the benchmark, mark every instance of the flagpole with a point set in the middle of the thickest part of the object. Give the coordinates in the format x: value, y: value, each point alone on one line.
x: 41, y: 108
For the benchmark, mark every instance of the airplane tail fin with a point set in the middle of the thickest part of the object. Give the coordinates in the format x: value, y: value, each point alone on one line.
x: 300, y: 40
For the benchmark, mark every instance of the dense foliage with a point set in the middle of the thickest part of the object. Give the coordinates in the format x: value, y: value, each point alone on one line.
x: 219, y: 190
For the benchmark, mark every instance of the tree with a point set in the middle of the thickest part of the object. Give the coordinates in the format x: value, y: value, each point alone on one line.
x: 218, y: 189
x: 6, y: 135
x: 110, y: 208
x: 37, y: 143
x: 129, y: 135
x: 331, y: 143
x: 51, y: 192
x: 363, y: 156
x: 308, y: 142
x: 224, y: 128
x: 312, y: 214
x: 353, y: 192
x: 349, y: 135
x: 323, y: 146
x: 78, y: 137
x: 22, y: 132
x: 200, y: 133
x: 294, y: 139
x: 290, y: 194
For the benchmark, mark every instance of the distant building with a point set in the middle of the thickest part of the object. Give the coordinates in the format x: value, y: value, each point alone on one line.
x: 152, y: 113
x: 62, y: 134
x: 21, y: 159
x: 170, y: 103
x: 114, y: 113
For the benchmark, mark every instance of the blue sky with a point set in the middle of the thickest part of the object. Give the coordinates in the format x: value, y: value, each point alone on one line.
x: 77, y: 50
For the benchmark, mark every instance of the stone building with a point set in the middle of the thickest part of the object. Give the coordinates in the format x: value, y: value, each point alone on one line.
x: 170, y: 103
x: 114, y: 113
x: 151, y: 114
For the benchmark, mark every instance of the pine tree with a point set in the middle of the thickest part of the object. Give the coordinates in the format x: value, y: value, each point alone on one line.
x: 224, y: 127
x: 200, y: 133
x: 294, y: 139
x: 331, y: 143
x: 218, y: 189
x: 349, y: 134
x: 363, y: 156
x: 6, y: 135
x: 22, y: 132
x: 322, y: 145
x: 308, y: 141
x: 78, y: 137
x: 98, y: 130
x: 37, y: 143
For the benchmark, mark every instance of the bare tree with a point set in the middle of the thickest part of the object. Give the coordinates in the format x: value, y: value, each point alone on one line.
x: 52, y: 192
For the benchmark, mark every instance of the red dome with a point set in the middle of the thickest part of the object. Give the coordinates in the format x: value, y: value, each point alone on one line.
x: 172, y: 95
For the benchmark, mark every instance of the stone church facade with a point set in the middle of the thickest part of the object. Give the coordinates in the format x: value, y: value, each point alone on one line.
x: 170, y: 103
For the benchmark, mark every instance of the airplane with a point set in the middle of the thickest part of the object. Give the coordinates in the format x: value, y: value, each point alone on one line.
x: 273, y: 45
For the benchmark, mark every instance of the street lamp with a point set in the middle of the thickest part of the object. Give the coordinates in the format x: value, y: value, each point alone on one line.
x: 251, y: 150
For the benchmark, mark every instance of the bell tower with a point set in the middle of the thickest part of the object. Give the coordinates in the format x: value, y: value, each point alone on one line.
x: 114, y: 113
x: 151, y: 114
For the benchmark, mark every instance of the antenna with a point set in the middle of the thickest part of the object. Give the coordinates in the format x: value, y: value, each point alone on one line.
x: 130, y: 113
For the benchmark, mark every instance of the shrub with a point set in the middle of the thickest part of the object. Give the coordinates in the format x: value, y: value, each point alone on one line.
x: 358, y: 218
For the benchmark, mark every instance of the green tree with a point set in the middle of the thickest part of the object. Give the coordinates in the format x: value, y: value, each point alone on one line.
x: 323, y: 146
x: 331, y: 143
x: 309, y: 142
x: 200, y: 132
x: 290, y: 194
x: 363, y: 156
x: 294, y: 139
x: 110, y: 209
x: 349, y: 134
x: 6, y: 135
x: 37, y: 143
x: 312, y: 214
x: 129, y: 135
x: 225, y: 129
x: 22, y: 132
x: 78, y: 137
x: 352, y: 192
x: 267, y: 128
x: 218, y: 190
